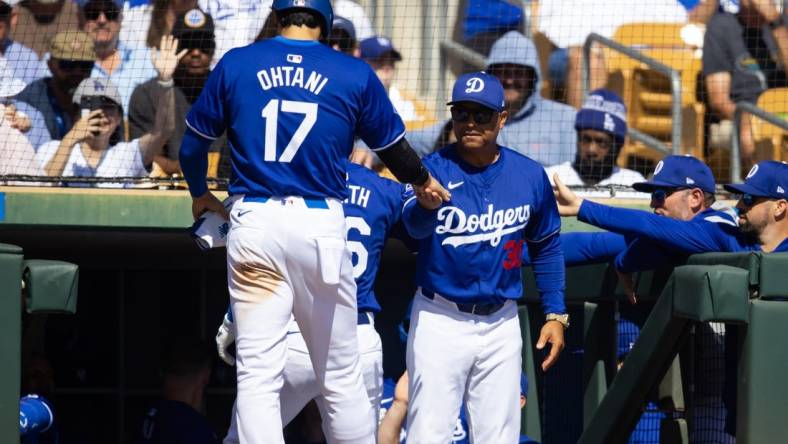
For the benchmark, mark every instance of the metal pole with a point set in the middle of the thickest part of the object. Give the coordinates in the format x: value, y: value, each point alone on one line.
x: 748, y: 107
x: 672, y: 74
x: 735, y: 147
x: 427, y: 32
x: 388, y: 19
x: 675, y: 83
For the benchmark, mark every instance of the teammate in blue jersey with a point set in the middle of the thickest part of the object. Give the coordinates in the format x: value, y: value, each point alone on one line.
x: 762, y: 213
x: 290, y: 107
x: 464, y: 341
x: 372, y: 208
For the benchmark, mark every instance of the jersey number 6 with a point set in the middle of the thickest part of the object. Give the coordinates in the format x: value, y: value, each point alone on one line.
x: 271, y: 116
x: 356, y: 247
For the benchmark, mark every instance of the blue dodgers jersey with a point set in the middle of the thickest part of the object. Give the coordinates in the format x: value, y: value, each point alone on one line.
x: 371, y: 210
x: 291, y: 109
x: 474, y: 252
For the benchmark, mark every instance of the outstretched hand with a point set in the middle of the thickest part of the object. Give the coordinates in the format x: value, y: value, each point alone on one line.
x: 166, y: 58
x: 568, y: 202
x: 431, y: 194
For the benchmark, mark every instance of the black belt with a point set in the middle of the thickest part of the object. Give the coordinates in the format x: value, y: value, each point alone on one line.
x: 477, y: 309
x: 363, y: 318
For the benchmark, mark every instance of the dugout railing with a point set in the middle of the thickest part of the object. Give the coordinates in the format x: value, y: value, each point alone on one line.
x: 747, y: 292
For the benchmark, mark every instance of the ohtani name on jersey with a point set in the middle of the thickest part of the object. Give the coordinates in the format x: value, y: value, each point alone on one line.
x: 494, y: 224
x: 293, y: 76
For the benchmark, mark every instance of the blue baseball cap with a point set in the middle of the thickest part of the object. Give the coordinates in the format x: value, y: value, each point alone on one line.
x: 523, y: 384
x: 478, y: 87
x: 766, y: 179
x: 604, y: 111
x: 378, y: 47
x: 679, y: 172
x: 628, y: 333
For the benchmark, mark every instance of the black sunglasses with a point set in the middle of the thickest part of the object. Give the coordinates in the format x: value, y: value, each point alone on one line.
x: 93, y: 11
x: 75, y: 65
x: 749, y: 200
x: 481, y: 116
x: 660, y: 194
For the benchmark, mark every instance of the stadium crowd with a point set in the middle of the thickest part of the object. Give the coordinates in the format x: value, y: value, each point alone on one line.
x: 101, y: 88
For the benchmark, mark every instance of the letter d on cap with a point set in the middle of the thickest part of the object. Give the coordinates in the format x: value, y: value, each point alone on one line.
x: 474, y: 85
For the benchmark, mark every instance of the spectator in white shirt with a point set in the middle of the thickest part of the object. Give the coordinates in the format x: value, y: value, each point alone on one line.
x: 92, y: 147
x: 23, y: 61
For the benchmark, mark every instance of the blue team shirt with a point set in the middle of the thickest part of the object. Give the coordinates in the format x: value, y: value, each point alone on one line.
x: 371, y: 210
x: 470, y: 248
x: 291, y: 109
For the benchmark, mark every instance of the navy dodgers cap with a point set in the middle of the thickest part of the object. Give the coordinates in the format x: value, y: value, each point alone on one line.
x: 679, y: 172
x: 479, y: 87
x: 377, y: 48
x: 766, y: 179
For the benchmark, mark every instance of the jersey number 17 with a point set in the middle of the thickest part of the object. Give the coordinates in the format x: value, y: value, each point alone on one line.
x: 271, y: 116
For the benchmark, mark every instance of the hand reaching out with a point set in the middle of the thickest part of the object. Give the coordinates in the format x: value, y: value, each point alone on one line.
x: 568, y: 202
x: 432, y: 194
x: 165, y: 59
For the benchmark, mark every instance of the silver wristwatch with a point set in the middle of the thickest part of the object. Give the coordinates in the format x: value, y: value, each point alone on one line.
x: 562, y: 318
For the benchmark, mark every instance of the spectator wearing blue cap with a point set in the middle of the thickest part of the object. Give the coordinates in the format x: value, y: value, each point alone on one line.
x: 383, y: 57
x: 601, y: 126
x: 343, y: 37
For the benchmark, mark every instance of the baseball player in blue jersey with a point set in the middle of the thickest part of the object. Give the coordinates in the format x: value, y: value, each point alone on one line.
x: 762, y: 218
x: 464, y: 341
x: 371, y: 210
x: 290, y: 107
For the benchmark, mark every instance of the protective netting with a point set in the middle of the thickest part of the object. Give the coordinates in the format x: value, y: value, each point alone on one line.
x: 685, y: 67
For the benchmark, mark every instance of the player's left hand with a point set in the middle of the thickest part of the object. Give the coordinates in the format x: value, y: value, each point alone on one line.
x: 552, y: 332
x: 208, y: 202
x: 362, y: 157
x: 568, y: 202
x: 166, y: 58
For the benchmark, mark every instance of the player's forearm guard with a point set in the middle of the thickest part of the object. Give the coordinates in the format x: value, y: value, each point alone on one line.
x: 404, y: 163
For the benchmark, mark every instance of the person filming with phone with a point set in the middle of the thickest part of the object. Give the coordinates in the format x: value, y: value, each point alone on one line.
x: 94, y: 146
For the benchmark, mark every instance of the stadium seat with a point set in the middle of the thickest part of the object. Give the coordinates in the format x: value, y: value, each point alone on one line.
x: 771, y: 141
x: 650, y: 35
x: 647, y: 93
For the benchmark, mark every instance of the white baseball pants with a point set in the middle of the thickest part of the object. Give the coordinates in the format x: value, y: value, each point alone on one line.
x: 286, y: 256
x: 300, y: 383
x: 454, y: 356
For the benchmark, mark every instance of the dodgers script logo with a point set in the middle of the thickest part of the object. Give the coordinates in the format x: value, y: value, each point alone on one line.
x: 493, y: 224
x: 474, y: 85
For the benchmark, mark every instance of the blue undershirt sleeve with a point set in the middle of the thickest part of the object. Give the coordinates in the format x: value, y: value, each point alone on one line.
x: 193, y: 157
x: 548, y: 265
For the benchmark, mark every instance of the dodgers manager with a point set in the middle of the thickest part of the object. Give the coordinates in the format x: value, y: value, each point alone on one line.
x: 464, y: 342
